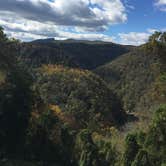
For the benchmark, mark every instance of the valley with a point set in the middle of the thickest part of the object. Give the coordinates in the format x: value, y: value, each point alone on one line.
x: 82, y: 103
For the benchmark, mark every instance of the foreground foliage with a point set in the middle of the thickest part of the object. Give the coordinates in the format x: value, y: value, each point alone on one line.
x: 148, y: 148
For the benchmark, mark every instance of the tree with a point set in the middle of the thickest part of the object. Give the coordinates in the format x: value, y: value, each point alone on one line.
x: 15, y: 97
x: 141, y: 159
x: 163, y: 37
x: 3, y: 37
x: 156, y: 137
x: 107, y: 153
x: 152, y: 151
x: 155, y: 37
x: 131, y: 149
x: 85, y: 149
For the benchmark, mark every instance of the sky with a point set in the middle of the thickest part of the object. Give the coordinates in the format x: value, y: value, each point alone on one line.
x: 128, y: 22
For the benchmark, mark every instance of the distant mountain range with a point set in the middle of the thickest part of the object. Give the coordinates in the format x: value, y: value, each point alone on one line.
x: 70, y: 41
x: 74, y: 53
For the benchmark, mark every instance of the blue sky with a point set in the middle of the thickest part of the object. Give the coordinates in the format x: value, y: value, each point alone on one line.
x: 143, y: 17
x: 120, y: 21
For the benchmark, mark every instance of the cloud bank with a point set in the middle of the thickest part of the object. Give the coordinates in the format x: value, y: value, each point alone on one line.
x: 134, y: 38
x: 79, y: 19
x: 93, y: 15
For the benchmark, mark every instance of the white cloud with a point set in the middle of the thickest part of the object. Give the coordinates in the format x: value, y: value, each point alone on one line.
x: 27, y: 30
x: 86, y: 36
x: 137, y: 38
x: 134, y: 38
x: 89, y: 14
x: 18, y: 24
x: 113, y: 10
x: 25, y: 36
x: 78, y: 19
x: 151, y: 30
x: 161, y: 4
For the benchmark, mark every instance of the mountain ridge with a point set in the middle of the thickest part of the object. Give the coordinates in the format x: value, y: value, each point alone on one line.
x: 71, y: 40
x: 84, y: 54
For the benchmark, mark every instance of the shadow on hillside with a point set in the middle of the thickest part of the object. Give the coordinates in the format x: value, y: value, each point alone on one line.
x: 131, y: 118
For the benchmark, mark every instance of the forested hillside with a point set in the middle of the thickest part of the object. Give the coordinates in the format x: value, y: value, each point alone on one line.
x: 81, y: 94
x: 73, y: 53
x: 53, y: 112
x: 138, y: 77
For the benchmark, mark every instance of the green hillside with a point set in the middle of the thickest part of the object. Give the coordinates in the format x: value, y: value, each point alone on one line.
x: 138, y: 77
x: 81, y: 54
x: 79, y: 93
